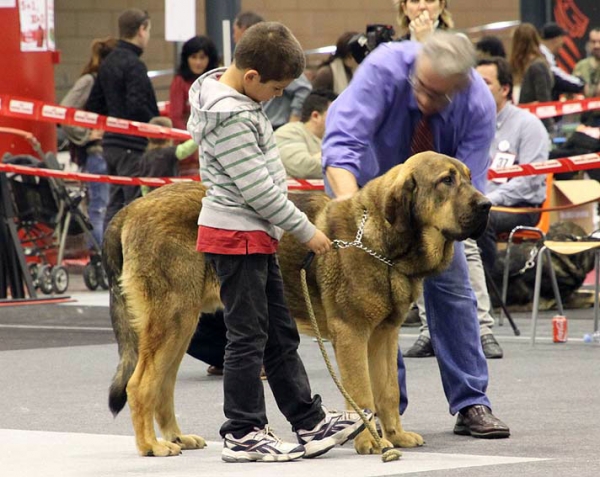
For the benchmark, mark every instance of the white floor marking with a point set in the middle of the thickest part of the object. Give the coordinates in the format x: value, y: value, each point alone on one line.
x: 56, y: 454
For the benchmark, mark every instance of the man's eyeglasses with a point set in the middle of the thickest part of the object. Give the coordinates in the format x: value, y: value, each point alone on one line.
x: 440, y: 99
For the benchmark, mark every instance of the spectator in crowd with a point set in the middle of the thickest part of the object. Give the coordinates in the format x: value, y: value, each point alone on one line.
x: 553, y: 39
x: 299, y: 143
x: 242, y: 22
x: 123, y: 90
x: 490, y: 45
x: 198, y: 55
x: 406, y: 98
x: 162, y: 158
x: 86, y: 144
x: 287, y: 107
x: 335, y: 73
x: 520, y: 139
x: 588, y: 69
x: 533, y: 81
x: 417, y: 19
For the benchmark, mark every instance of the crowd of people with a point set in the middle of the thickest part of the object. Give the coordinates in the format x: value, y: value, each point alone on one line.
x: 435, y: 91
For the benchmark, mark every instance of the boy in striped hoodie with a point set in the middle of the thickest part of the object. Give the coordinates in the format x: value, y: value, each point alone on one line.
x: 244, y: 214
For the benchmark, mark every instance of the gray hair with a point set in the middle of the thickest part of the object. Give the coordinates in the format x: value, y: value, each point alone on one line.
x: 450, y: 54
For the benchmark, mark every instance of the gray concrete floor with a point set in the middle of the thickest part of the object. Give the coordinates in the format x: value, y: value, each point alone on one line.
x: 57, y: 362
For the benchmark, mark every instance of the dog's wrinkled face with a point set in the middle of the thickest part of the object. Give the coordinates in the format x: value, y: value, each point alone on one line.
x: 436, y: 191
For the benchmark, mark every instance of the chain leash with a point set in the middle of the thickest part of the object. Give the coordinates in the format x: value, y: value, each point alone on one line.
x: 530, y: 263
x: 357, y: 242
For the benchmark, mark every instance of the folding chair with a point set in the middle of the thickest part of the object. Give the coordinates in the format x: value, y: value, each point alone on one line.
x: 565, y: 248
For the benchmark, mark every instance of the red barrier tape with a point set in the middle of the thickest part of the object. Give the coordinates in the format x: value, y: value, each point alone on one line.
x: 566, y: 164
x: 35, y: 110
x: 561, y: 108
x: 293, y: 184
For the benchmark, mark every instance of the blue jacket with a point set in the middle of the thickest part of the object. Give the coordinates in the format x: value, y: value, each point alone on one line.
x: 370, y: 125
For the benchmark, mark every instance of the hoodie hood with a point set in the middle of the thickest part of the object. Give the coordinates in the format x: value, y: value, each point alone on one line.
x: 212, y: 102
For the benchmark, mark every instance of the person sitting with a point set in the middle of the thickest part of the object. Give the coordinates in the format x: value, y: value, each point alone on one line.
x: 490, y: 46
x: 299, y: 143
x: 520, y: 139
x: 336, y: 72
x: 162, y: 158
x: 553, y: 39
x: 588, y: 69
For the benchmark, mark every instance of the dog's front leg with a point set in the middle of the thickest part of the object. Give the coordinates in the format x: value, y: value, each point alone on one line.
x: 383, y: 351
x: 350, y: 340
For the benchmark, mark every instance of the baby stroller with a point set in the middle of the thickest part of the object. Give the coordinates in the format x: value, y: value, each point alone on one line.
x: 47, y: 212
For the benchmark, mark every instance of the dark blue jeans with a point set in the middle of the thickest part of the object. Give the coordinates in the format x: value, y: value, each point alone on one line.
x: 97, y: 196
x: 121, y: 162
x: 260, y: 330
x: 454, y: 328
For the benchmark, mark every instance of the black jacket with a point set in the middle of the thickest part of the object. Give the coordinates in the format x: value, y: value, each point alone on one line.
x: 123, y: 90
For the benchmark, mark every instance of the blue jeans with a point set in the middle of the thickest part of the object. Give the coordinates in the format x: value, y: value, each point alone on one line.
x: 97, y: 196
x: 454, y: 328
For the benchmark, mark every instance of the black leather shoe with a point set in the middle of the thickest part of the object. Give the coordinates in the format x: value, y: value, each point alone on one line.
x: 412, y: 318
x: 491, y: 348
x: 421, y: 349
x: 478, y: 421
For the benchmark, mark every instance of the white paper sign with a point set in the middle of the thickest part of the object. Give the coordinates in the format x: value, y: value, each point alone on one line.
x: 8, y: 3
x: 180, y: 20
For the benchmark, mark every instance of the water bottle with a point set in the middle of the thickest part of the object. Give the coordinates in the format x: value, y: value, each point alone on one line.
x: 592, y: 338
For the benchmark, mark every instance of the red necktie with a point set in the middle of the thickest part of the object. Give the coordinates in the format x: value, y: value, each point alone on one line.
x: 422, y: 139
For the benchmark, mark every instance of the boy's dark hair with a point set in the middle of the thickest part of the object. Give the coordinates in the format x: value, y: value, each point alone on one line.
x: 504, y: 72
x: 317, y: 101
x: 194, y: 45
x: 491, y: 46
x: 248, y: 19
x: 130, y: 22
x: 271, y: 49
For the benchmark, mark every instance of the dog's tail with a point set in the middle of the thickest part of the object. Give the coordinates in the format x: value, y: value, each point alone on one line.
x: 127, y: 340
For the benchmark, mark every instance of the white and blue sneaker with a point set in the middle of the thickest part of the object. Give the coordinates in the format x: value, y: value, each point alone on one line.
x: 336, y: 428
x: 260, y: 445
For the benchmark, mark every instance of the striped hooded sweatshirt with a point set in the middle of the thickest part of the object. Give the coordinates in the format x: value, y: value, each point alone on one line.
x: 240, y: 164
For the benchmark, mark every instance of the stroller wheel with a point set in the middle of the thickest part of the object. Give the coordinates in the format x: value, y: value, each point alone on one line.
x: 102, y: 278
x: 60, y: 279
x: 90, y: 277
x: 34, y: 271
x: 45, y: 279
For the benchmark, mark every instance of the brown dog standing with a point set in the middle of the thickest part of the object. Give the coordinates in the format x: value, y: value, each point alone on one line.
x: 159, y: 284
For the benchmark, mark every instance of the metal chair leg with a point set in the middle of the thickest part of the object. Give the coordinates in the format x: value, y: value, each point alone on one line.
x: 555, y: 289
x: 597, y: 288
x: 536, y: 293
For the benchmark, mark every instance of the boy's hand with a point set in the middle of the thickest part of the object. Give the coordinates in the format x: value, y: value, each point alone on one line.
x: 319, y: 243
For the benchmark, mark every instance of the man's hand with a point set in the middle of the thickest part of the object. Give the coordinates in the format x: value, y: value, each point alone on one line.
x: 319, y: 243
x: 422, y: 26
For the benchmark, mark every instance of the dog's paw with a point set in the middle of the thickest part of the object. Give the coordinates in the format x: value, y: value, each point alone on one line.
x: 365, y: 443
x: 190, y: 441
x: 406, y: 439
x: 162, y: 449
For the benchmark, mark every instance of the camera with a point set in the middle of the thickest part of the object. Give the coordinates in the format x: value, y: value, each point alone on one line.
x: 363, y: 43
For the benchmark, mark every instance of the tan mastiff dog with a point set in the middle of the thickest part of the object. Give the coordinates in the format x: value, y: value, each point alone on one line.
x: 159, y: 284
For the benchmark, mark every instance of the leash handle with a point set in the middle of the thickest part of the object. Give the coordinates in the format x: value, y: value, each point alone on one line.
x: 306, y: 263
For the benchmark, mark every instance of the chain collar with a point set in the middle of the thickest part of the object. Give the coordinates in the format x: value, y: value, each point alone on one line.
x: 358, y: 242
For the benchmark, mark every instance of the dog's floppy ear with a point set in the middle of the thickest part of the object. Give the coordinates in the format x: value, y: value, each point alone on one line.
x: 399, y: 203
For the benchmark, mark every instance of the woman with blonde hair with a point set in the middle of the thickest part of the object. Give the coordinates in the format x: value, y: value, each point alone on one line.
x: 532, y: 77
x: 419, y: 18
